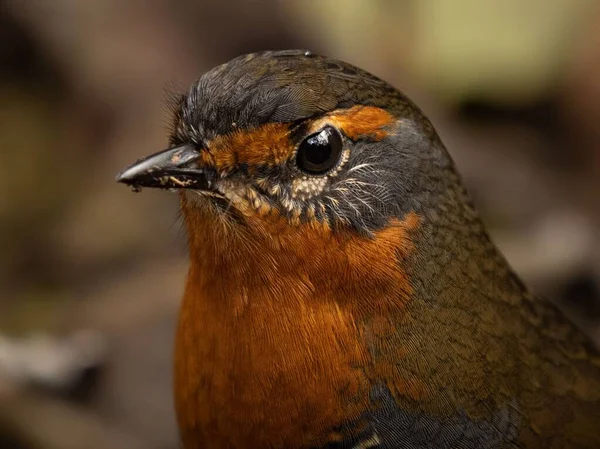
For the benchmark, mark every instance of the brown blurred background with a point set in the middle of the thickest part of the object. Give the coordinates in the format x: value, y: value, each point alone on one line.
x: 91, y: 274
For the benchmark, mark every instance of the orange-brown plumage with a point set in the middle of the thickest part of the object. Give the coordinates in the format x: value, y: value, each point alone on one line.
x: 266, y: 145
x: 342, y: 291
x: 360, y: 122
x: 286, y: 319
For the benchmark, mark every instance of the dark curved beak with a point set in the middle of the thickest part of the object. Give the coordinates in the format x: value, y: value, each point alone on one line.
x: 169, y: 169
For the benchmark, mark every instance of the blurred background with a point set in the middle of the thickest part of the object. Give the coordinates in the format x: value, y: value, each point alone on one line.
x: 91, y: 274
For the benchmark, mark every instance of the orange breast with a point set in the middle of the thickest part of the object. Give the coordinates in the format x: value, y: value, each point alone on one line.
x: 270, y: 345
x: 283, y: 376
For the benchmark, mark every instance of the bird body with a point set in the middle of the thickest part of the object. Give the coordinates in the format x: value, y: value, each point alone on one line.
x: 342, y: 290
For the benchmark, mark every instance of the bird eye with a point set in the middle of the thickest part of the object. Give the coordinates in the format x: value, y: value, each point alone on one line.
x: 320, y: 152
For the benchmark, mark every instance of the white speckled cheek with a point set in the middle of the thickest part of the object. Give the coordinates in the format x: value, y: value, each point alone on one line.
x: 235, y: 192
x: 308, y: 186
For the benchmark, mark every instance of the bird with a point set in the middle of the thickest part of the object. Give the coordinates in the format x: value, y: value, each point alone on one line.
x: 343, y: 291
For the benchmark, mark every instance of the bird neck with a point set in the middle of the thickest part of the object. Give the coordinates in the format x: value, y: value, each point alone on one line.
x: 440, y: 244
x: 279, y: 263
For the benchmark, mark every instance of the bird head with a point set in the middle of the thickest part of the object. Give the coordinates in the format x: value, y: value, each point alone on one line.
x: 299, y: 140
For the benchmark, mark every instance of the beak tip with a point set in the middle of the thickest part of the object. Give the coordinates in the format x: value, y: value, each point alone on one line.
x: 131, y: 174
x: 122, y: 177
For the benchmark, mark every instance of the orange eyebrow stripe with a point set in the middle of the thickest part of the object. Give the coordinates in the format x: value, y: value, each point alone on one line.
x: 360, y: 122
x: 268, y: 145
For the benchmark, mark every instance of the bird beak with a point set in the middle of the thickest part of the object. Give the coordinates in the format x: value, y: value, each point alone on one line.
x: 168, y: 169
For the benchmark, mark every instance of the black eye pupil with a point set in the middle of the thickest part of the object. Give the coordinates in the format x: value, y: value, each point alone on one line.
x: 317, y: 152
x: 320, y: 152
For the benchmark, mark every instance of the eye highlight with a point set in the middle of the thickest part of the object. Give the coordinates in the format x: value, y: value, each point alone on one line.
x: 320, y: 152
